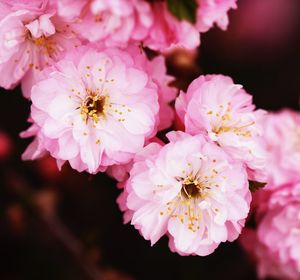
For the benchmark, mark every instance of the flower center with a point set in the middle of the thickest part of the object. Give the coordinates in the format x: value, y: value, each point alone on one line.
x: 93, y: 107
x: 45, y: 44
x: 223, y: 122
x: 185, y: 206
x: 98, y: 18
x: 191, y: 189
x: 41, y: 41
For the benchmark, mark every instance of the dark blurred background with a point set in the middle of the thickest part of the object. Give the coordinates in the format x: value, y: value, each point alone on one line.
x: 66, y: 225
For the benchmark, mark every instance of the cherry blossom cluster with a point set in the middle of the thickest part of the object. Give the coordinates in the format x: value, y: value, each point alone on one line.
x: 273, y: 241
x: 98, y: 102
x: 36, y: 34
x: 195, y: 188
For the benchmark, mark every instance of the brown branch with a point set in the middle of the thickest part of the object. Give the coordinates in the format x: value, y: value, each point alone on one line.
x: 56, y: 227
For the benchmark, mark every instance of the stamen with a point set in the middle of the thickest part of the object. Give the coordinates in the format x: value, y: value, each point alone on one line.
x: 46, y: 44
x: 94, y: 107
x: 185, y: 205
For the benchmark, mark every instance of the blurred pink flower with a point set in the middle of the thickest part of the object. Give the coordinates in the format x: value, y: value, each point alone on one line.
x: 224, y: 112
x: 118, y: 22
x: 113, y: 22
x: 31, y: 38
x: 255, y: 24
x: 95, y: 109
x: 188, y: 189
x: 282, y: 138
x: 275, y: 245
x: 6, y: 145
x: 168, y: 32
x: 210, y: 12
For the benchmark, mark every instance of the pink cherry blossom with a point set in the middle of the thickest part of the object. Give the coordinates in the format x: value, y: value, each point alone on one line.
x: 224, y: 112
x: 31, y: 37
x: 210, y: 12
x: 188, y: 189
x: 168, y: 32
x: 275, y: 245
x: 282, y: 137
x: 113, y: 22
x: 95, y: 109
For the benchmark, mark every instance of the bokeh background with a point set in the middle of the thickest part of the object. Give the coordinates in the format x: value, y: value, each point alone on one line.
x: 65, y: 225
